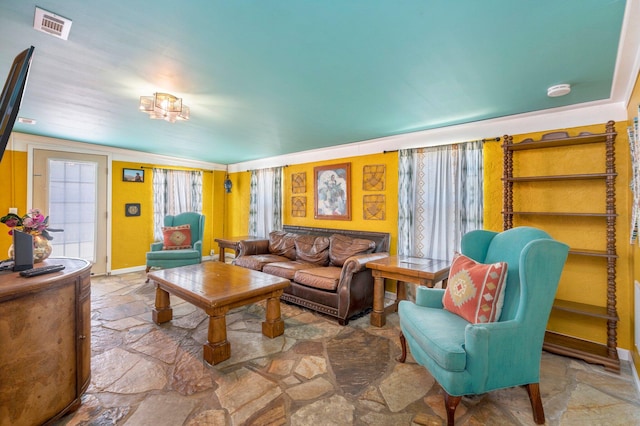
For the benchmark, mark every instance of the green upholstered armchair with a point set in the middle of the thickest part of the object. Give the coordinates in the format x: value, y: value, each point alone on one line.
x: 468, y: 358
x: 159, y: 258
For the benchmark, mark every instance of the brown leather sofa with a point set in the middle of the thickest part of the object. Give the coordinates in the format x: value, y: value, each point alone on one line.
x: 326, y: 266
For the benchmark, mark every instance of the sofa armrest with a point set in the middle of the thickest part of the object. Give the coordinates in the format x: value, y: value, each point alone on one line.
x: 429, y: 297
x: 157, y: 246
x: 249, y: 247
x: 198, y: 246
x: 358, y: 262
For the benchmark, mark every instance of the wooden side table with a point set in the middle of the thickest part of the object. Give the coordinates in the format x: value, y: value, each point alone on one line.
x: 415, y: 270
x: 232, y: 243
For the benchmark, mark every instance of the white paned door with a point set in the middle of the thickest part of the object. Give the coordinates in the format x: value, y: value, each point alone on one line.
x: 72, y: 189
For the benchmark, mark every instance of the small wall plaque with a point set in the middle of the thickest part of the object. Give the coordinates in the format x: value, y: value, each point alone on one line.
x: 299, y: 183
x: 132, y: 209
x: 373, y: 207
x: 373, y: 177
x: 299, y: 206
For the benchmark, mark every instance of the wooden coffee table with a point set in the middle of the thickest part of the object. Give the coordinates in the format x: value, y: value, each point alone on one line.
x: 218, y: 287
x: 416, y: 270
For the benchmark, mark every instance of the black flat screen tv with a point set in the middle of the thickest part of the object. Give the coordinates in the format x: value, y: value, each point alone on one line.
x: 12, y: 95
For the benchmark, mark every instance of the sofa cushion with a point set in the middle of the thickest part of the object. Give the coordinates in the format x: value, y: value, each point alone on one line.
x: 287, y: 269
x: 325, y: 278
x: 312, y: 249
x: 444, y: 344
x: 282, y: 244
x: 475, y: 291
x: 176, y: 237
x: 257, y: 261
x: 342, y: 247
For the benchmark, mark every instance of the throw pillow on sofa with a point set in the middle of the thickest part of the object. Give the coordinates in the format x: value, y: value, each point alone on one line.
x: 176, y: 237
x: 312, y: 249
x: 342, y: 247
x: 283, y: 244
x: 475, y: 291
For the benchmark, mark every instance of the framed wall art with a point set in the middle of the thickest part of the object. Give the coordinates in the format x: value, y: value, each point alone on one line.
x: 132, y: 209
x: 332, y: 191
x: 133, y: 175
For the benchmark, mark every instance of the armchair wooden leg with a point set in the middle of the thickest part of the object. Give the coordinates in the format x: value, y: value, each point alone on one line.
x: 146, y: 271
x: 450, y: 404
x: 533, y: 389
x: 403, y: 344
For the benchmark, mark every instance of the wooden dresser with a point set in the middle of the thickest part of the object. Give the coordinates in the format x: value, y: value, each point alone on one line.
x: 45, y: 350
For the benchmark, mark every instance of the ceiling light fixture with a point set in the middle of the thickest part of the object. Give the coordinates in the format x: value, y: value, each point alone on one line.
x: 558, y: 90
x: 164, y: 106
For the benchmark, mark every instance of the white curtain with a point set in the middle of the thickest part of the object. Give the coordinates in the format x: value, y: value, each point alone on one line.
x: 440, y: 198
x: 265, y: 202
x: 174, y: 192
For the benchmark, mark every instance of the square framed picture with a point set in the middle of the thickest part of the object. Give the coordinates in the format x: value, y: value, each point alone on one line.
x: 132, y: 209
x: 332, y: 191
x: 133, y: 175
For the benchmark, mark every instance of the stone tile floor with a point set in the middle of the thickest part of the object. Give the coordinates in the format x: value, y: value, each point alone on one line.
x: 317, y: 373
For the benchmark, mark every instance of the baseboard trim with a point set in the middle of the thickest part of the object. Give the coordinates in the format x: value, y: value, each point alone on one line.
x: 626, y: 355
x: 127, y: 270
x: 143, y: 267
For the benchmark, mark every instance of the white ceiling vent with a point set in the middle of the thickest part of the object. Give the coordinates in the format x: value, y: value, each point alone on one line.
x: 51, y: 23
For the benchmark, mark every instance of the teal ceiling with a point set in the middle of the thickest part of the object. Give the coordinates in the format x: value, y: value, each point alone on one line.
x: 267, y: 78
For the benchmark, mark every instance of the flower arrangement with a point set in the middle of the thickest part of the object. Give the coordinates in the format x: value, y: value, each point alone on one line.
x: 34, y: 222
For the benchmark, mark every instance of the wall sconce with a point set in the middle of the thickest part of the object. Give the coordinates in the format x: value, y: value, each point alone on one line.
x: 227, y: 184
x: 164, y: 106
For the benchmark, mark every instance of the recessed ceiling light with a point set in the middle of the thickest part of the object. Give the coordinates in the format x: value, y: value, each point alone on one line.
x: 558, y: 90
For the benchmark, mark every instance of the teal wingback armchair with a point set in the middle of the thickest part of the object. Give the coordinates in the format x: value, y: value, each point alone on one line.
x: 466, y: 358
x: 158, y: 258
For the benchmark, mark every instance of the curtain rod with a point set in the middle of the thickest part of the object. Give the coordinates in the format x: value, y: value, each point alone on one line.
x: 265, y: 168
x: 495, y: 139
x: 177, y: 168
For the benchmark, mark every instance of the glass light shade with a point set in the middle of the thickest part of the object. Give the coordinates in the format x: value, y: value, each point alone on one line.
x: 167, y: 102
x: 185, y: 113
x: 146, y: 103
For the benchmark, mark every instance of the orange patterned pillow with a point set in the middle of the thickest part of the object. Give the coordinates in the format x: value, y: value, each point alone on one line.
x: 475, y: 291
x: 176, y: 237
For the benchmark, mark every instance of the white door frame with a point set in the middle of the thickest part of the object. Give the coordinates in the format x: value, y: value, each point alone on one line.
x: 39, y: 142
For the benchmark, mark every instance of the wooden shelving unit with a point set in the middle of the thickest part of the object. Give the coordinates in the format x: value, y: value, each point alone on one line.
x: 605, y: 354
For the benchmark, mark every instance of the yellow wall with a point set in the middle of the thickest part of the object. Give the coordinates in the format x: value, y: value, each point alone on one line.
x: 583, y: 279
x: 133, y: 235
x: 239, y: 216
x: 632, y: 111
x: 13, y: 193
x: 237, y: 205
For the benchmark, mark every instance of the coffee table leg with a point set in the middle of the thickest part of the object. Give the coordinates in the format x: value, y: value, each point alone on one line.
x: 377, y: 316
x: 217, y: 348
x: 162, y: 312
x: 274, y: 325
